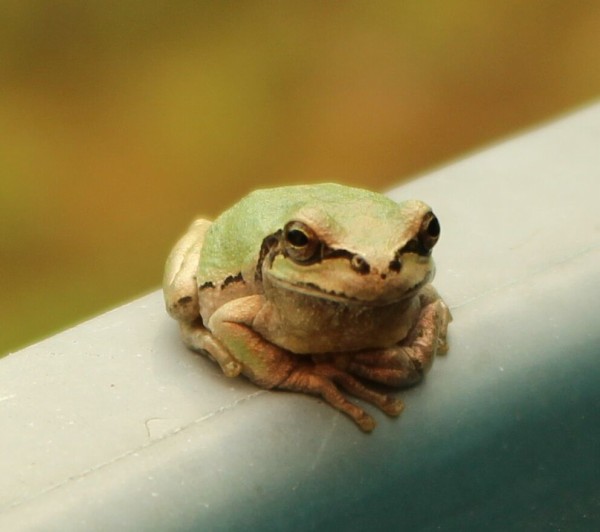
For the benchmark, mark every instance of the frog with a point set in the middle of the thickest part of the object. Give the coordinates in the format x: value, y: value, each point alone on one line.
x: 323, y: 289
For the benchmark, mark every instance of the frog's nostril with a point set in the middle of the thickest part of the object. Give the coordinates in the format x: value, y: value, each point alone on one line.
x: 359, y: 264
x: 395, y: 265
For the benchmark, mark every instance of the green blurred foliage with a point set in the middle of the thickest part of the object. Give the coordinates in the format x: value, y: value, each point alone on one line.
x: 122, y: 120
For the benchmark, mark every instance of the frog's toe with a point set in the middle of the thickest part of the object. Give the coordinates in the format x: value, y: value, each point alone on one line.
x: 442, y: 346
x: 392, y: 406
x: 365, y: 422
x: 231, y: 368
x: 386, y: 403
x: 390, y: 376
x: 315, y: 381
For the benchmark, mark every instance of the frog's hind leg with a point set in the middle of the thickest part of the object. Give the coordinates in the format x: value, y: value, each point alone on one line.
x: 198, y: 338
x: 181, y: 297
x: 179, y: 281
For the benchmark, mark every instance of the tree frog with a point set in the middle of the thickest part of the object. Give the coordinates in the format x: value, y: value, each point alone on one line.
x: 322, y: 289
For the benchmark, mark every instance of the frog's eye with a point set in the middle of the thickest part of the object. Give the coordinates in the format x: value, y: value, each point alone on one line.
x: 423, y: 241
x: 429, y: 231
x: 301, y: 242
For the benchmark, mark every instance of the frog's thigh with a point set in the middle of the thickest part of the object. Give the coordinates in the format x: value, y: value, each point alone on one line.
x: 263, y: 362
x: 403, y: 365
x: 179, y: 281
x: 198, y: 338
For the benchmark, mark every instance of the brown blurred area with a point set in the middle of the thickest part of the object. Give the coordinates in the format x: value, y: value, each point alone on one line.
x: 122, y: 120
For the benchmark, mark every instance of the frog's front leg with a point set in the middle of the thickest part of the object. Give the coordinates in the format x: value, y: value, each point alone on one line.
x: 270, y: 366
x: 198, y: 338
x: 406, y: 363
x: 321, y: 379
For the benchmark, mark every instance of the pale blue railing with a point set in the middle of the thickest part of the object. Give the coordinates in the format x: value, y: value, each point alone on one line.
x: 114, y: 425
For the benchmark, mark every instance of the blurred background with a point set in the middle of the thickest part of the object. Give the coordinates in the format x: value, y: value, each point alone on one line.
x: 122, y: 120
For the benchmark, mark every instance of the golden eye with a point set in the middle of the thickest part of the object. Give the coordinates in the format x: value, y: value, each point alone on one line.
x: 301, y: 242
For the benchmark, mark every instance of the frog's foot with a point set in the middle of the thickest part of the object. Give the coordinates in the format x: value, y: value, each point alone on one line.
x: 321, y: 379
x: 406, y: 363
x: 198, y: 338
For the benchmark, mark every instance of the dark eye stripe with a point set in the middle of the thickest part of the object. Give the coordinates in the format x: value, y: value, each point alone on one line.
x: 270, y: 245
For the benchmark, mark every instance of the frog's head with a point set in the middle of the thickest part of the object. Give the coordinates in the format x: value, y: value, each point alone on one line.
x: 372, y: 254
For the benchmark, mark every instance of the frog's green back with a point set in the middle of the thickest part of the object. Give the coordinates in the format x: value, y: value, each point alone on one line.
x: 235, y: 237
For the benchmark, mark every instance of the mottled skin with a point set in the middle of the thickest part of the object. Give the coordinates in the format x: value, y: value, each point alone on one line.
x: 313, y: 288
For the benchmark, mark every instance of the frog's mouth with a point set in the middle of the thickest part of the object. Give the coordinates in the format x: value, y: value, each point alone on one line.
x: 384, y: 298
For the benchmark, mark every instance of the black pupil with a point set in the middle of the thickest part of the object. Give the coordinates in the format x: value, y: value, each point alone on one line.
x: 297, y: 238
x: 433, y: 228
